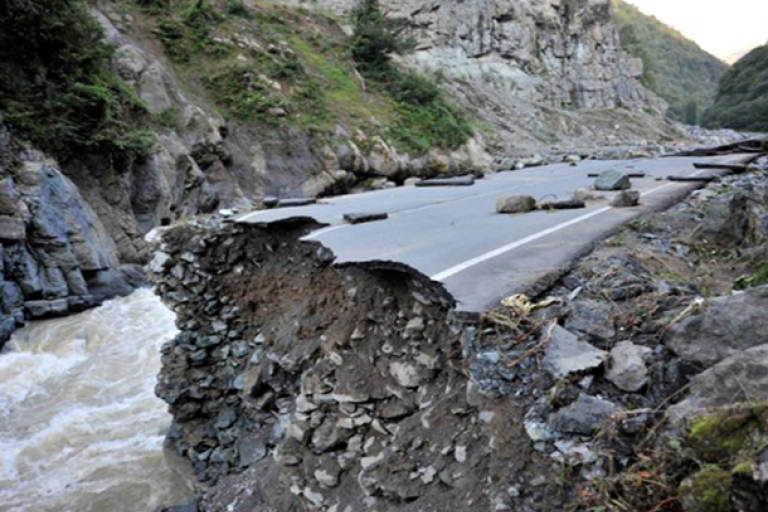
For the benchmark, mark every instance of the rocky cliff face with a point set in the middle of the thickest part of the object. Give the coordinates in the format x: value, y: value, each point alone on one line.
x: 55, y: 254
x: 564, y: 53
x: 528, y: 67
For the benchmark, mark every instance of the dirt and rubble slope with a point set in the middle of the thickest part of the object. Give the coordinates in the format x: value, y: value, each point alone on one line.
x: 297, y: 384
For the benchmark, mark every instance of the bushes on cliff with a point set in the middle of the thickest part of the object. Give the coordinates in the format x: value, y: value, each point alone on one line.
x: 56, y: 85
x: 426, y: 118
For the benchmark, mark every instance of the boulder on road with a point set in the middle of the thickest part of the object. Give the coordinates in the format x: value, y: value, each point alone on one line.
x: 612, y: 180
x: 628, y: 370
x: 515, y: 204
x: 626, y: 199
x: 726, y: 326
x: 566, y: 354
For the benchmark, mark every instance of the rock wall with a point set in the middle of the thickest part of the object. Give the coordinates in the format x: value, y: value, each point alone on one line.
x: 206, y: 161
x: 564, y: 53
x: 533, y: 70
x: 55, y: 255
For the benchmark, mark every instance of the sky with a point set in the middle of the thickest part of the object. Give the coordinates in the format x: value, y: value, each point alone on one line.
x: 722, y: 27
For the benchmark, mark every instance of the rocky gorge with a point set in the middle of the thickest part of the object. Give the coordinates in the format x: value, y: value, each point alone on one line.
x: 562, y: 65
x: 296, y: 383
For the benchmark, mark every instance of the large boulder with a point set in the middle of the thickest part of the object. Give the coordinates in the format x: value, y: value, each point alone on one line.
x: 628, y: 370
x: 584, y: 416
x: 724, y: 327
x: 612, y: 180
x: 592, y: 318
x: 383, y: 160
x: 515, y: 204
x: 566, y: 354
x: 727, y: 219
x: 740, y: 378
x: 626, y: 199
x: 12, y: 228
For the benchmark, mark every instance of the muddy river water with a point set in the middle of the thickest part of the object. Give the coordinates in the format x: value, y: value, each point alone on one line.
x: 80, y: 427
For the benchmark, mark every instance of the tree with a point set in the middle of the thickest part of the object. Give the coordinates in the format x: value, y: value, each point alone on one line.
x: 376, y: 37
x: 692, y: 113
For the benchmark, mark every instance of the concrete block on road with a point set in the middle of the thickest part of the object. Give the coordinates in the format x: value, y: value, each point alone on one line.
x: 464, y: 181
x: 360, y: 218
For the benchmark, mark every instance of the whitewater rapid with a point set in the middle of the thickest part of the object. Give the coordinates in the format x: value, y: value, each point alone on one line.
x: 80, y: 427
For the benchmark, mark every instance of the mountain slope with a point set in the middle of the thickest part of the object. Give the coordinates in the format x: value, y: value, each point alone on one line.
x: 676, y: 68
x: 742, y: 98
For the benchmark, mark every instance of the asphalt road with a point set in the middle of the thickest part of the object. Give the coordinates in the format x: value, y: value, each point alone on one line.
x: 454, y: 235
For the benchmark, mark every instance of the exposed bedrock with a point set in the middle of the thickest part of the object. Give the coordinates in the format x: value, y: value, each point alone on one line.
x: 296, y: 384
x: 55, y: 254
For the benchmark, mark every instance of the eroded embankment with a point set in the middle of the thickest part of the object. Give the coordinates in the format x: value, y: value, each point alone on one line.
x: 296, y: 384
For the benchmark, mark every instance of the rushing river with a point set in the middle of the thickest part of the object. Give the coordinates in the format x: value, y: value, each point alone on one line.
x: 80, y: 427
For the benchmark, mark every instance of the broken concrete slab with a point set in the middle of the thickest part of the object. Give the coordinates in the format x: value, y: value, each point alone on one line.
x: 459, y: 181
x: 360, y: 218
x: 628, y: 174
x: 584, y: 416
x: 564, y: 204
x: 515, y: 204
x: 565, y: 354
x: 628, y: 370
x: 612, y: 180
x: 286, y: 203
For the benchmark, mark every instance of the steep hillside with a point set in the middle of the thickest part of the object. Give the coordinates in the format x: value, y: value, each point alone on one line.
x: 158, y: 111
x: 676, y: 68
x: 742, y: 98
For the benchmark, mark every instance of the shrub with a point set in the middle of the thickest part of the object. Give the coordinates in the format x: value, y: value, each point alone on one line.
x: 376, y: 37
x: 56, y: 85
x: 426, y: 120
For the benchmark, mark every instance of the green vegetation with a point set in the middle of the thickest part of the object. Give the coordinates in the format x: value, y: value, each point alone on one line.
x: 280, y: 66
x: 676, y: 68
x: 742, y: 98
x: 426, y: 119
x: 716, y: 449
x: 56, y: 86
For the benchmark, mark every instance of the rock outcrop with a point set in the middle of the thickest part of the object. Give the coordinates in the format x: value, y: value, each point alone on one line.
x: 723, y: 327
x: 536, y: 71
x: 55, y: 255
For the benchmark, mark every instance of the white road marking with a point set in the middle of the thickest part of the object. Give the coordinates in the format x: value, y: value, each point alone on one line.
x: 461, y: 267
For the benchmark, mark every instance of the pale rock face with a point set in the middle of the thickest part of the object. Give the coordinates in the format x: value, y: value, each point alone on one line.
x: 563, y: 53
